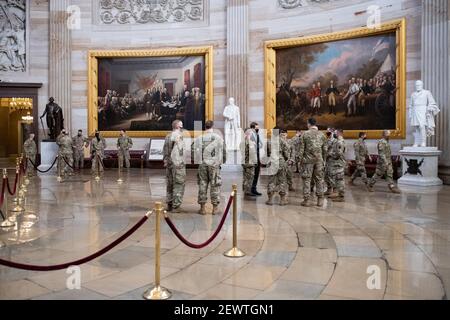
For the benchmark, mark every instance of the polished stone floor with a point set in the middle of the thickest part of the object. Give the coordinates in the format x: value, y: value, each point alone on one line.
x: 292, y: 252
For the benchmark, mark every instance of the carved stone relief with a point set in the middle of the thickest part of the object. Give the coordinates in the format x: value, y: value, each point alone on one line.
x: 12, y: 35
x: 291, y: 4
x: 150, y: 11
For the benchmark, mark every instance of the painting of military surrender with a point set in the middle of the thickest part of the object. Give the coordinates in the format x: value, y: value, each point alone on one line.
x: 148, y: 93
x: 349, y: 84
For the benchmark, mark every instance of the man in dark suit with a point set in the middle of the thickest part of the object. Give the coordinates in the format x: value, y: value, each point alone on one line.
x: 256, y: 138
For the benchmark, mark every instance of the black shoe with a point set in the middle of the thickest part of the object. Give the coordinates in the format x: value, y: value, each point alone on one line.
x: 256, y: 193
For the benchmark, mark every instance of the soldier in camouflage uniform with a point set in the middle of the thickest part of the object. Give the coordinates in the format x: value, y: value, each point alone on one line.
x: 295, y: 147
x: 79, y: 142
x: 312, y: 154
x: 337, y: 165
x: 98, y: 146
x: 175, y: 165
x: 328, y: 168
x: 361, y: 154
x: 124, y: 144
x: 384, y: 164
x: 30, y: 149
x: 65, y: 154
x: 248, y: 149
x: 279, y: 152
x: 209, y: 150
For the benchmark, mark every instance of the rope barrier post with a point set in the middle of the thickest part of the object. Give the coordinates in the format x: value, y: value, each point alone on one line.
x: 27, y: 180
x: 97, y: 164
x: 22, y: 185
x: 19, y: 195
x: 16, y: 199
x: 58, y: 169
x: 234, y: 252
x: 7, y: 223
x: 157, y: 292
x: 119, y: 165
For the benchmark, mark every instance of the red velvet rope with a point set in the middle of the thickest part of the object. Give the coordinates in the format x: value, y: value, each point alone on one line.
x: 15, y: 184
x: 77, y: 262
x: 201, y: 245
x: 2, y: 196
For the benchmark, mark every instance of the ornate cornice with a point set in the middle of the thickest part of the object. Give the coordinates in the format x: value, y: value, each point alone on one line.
x: 292, y: 4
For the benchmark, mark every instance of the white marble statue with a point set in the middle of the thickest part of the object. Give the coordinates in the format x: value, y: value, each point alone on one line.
x: 422, y: 110
x: 232, y: 125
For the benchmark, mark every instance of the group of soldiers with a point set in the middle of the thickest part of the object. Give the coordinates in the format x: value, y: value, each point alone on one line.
x: 208, y: 150
x: 322, y: 163
x: 71, y: 151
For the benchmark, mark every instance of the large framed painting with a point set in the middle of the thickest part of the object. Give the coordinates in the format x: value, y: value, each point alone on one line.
x: 352, y: 80
x: 144, y: 91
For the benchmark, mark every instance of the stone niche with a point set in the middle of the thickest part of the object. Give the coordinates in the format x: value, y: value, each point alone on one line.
x: 13, y: 36
x: 142, y: 12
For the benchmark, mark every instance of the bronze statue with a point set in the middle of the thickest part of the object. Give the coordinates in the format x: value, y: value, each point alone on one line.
x: 54, y: 118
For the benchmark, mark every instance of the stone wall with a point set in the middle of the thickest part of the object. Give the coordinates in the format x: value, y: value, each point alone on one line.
x: 37, y: 44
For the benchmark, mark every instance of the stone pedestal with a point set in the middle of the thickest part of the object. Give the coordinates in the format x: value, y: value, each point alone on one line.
x: 420, y: 166
x: 234, y: 163
x: 49, y: 151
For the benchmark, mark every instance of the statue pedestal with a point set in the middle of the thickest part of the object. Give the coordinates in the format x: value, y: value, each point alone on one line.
x: 420, y: 166
x: 49, y: 151
x: 233, y: 163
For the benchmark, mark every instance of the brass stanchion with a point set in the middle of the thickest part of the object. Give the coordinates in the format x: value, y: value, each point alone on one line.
x: 22, y: 176
x: 97, y: 164
x: 58, y: 169
x: 119, y: 165
x: 234, y: 252
x: 157, y: 292
x: 27, y: 180
x: 18, y: 200
x: 7, y: 223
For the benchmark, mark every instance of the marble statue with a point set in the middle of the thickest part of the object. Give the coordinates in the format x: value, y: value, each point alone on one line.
x: 422, y: 111
x: 232, y: 125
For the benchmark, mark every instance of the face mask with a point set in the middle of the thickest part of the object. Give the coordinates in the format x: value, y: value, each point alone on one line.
x: 79, y: 134
x: 256, y: 130
x: 335, y: 136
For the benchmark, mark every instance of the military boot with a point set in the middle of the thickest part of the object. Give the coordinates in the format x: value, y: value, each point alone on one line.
x: 202, y: 210
x: 307, y: 203
x: 369, y: 188
x: 394, y: 189
x: 334, y: 195
x: 269, y: 201
x: 339, y: 198
x: 320, y: 202
x: 291, y: 188
x: 284, y: 200
x: 329, y: 192
x: 351, y: 182
x: 169, y: 207
x: 215, y: 209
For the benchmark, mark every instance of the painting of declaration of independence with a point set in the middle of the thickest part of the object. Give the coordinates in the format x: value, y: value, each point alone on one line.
x: 148, y: 93
x: 349, y: 84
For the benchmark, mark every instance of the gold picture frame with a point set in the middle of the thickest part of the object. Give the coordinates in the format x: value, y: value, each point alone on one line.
x: 397, y: 26
x: 95, y: 55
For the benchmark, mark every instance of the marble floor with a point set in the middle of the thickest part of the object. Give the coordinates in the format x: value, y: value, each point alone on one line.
x: 374, y: 246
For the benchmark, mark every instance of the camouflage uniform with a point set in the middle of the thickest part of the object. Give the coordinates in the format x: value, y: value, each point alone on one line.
x: 78, y: 150
x: 97, y: 148
x: 337, y: 165
x: 279, y: 155
x: 384, y: 164
x: 212, y: 149
x: 30, y: 150
x: 295, y: 147
x: 289, y: 173
x: 123, y: 148
x: 175, y: 169
x: 331, y: 184
x: 65, y: 154
x: 313, y: 151
x: 361, y: 153
x: 250, y: 157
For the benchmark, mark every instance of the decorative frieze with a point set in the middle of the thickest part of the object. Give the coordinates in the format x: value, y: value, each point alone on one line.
x: 12, y: 35
x: 150, y: 11
x: 292, y: 4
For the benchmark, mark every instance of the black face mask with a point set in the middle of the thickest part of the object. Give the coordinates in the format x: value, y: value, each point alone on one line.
x: 79, y: 134
x: 335, y: 136
x: 256, y: 130
x: 97, y: 136
x: 365, y: 138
